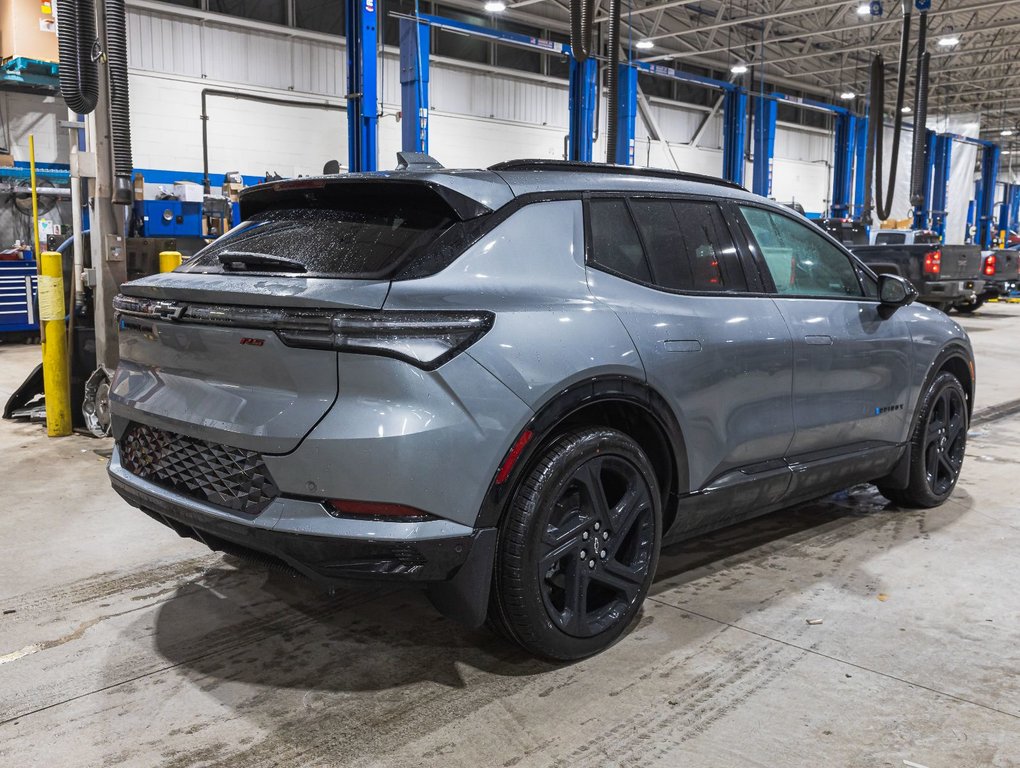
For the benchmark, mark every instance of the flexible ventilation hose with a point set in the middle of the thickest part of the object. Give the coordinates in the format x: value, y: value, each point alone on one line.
x: 120, y: 103
x: 884, y: 195
x: 580, y: 28
x: 612, y: 80
x: 918, y: 166
x: 79, y: 73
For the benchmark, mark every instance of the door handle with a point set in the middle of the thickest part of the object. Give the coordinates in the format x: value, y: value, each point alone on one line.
x: 819, y: 340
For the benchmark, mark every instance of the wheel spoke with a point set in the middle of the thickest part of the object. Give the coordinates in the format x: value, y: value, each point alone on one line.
x: 931, y: 464
x: 945, y: 464
x: 626, y: 581
x: 591, y: 479
x: 576, y: 602
x: 556, y: 554
x: 555, y: 536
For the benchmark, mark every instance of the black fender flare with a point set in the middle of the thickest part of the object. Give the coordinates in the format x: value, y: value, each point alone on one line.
x: 543, y: 425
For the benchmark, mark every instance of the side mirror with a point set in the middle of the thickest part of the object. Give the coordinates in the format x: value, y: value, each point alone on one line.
x: 895, y: 291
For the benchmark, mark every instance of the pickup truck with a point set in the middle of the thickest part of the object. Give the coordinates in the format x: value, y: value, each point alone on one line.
x: 944, y: 275
x: 904, y: 237
x: 1001, y: 271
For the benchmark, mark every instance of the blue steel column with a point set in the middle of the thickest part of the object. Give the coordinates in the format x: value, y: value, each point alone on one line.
x: 627, y: 119
x: 764, y: 145
x: 986, y: 202
x: 362, y: 93
x: 734, y: 127
x: 582, y: 95
x: 842, y: 166
x: 940, y: 183
x: 414, y: 85
x: 860, y: 165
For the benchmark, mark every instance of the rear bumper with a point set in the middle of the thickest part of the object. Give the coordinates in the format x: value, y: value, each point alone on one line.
x: 300, y: 535
x: 938, y: 291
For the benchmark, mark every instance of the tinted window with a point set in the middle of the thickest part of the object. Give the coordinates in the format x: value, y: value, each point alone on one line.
x: 614, y: 240
x: 801, y: 260
x: 890, y: 238
x: 927, y: 238
x: 364, y: 237
x: 686, y: 242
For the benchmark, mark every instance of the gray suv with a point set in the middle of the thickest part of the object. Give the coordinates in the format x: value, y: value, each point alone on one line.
x: 512, y: 386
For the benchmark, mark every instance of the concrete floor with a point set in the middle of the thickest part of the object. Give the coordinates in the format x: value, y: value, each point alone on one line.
x: 121, y: 644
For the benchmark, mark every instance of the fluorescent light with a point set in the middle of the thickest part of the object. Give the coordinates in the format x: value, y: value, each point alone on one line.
x: 495, y: 6
x: 949, y: 41
x: 644, y: 45
x: 1006, y: 152
x: 1006, y: 132
x: 848, y: 95
x: 864, y: 9
x: 738, y: 69
x: 906, y: 110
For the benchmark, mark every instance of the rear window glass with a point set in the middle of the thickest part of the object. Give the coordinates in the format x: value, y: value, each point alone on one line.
x: 365, y: 239
x: 890, y: 238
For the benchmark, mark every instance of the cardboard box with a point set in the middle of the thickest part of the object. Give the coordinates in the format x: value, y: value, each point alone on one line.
x: 139, y: 187
x: 188, y: 191
x: 28, y: 29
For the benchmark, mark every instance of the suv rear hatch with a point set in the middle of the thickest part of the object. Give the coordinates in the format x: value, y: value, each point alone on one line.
x: 237, y: 346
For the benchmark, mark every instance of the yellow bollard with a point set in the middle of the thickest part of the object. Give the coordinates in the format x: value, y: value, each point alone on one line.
x: 169, y: 260
x: 56, y: 384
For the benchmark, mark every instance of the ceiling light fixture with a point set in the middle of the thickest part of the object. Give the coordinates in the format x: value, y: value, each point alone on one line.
x: 495, y: 6
x: 644, y: 45
x: 905, y: 110
x: 864, y: 9
x: 949, y: 41
x: 848, y: 95
x: 739, y: 68
x: 1006, y: 132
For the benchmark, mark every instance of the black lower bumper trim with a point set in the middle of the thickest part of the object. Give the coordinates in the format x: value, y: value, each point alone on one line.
x: 325, y: 559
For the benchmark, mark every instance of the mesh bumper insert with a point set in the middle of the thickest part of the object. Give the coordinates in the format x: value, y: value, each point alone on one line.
x: 217, y: 474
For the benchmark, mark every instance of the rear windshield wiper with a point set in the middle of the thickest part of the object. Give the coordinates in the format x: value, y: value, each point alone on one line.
x: 248, y: 260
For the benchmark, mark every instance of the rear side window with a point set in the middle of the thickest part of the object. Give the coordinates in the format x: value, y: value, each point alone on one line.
x: 615, y: 242
x: 365, y: 236
x: 801, y: 260
x: 673, y: 244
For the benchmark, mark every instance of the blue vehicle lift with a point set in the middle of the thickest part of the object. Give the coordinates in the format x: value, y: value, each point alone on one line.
x: 985, y: 198
x: 860, y: 152
x: 734, y: 113
x: 850, y: 139
x: 942, y: 164
x: 1009, y: 211
x: 415, y: 36
x: 362, y: 85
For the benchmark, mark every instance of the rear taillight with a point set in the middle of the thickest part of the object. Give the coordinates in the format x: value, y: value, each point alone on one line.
x: 990, y: 264
x: 424, y: 339
x: 376, y: 509
x: 932, y: 262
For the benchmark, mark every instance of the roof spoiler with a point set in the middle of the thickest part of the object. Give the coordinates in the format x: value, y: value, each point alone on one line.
x: 303, y: 191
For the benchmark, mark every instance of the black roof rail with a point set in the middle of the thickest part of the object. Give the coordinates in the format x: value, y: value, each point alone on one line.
x: 621, y: 170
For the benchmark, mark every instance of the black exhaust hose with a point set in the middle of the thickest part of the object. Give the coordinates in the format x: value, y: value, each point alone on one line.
x: 580, y: 28
x: 79, y: 74
x: 876, y: 108
x: 612, y: 80
x: 883, y: 198
x: 918, y: 165
x: 120, y: 103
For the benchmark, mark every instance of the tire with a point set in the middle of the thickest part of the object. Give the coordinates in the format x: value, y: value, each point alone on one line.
x: 967, y: 309
x: 588, y: 485
x: 937, y: 446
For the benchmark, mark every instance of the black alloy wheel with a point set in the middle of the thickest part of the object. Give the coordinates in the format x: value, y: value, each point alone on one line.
x: 578, y: 546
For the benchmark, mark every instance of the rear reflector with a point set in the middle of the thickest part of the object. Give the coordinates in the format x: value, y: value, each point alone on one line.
x: 933, y: 262
x: 513, y: 456
x: 377, y: 509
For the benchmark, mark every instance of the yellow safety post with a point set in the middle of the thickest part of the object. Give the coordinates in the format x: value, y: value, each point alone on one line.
x: 169, y: 260
x: 56, y: 384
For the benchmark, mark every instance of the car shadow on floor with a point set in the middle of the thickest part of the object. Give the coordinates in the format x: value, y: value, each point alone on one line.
x: 241, y: 623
